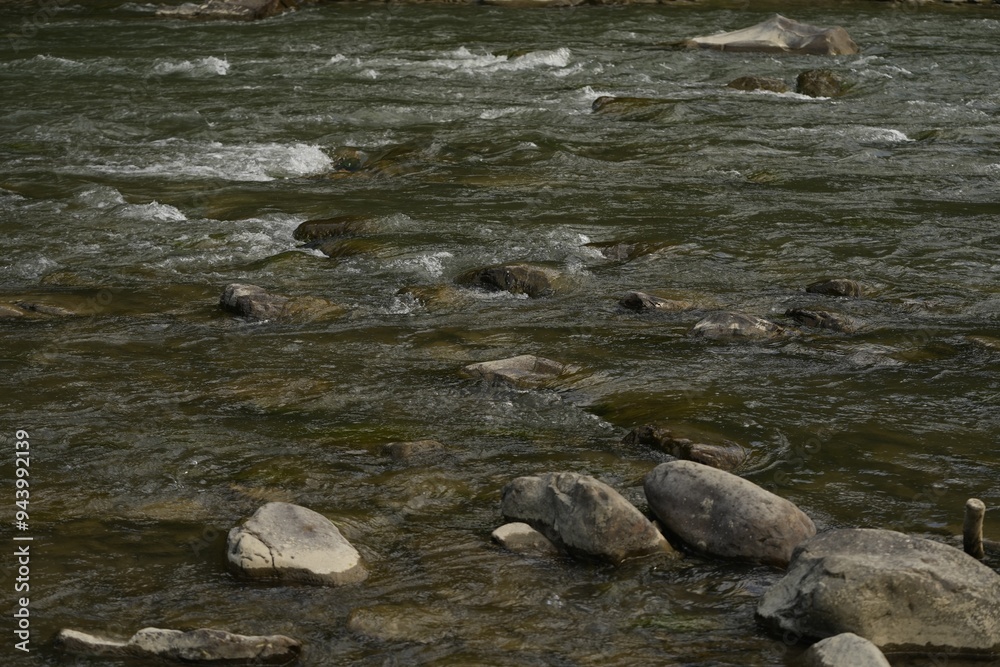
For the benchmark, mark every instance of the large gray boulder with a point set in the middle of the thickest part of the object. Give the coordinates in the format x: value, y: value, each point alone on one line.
x: 290, y: 542
x: 582, y: 515
x: 780, y: 35
x: 719, y: 514
x: 844, y: 650
x: 726, y: 325
x: 203, y: 646
x: 901, y: 592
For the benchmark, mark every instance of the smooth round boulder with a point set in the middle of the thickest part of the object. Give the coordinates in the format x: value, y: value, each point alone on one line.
x: 844, y: 650
x: 290, y: 542
x: 521, y: 538
x: 717, y: 513
x: 582, y: 515
x: 901, y: 592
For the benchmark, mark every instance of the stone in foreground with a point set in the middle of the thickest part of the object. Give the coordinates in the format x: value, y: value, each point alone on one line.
x: 290, y: 542
x: 844, y: 650
x: 583, y: 516
x: 730, y: 326
x: 521, y: 538
x: 900, y: 592
x: 780, y: 35
x: 719, y: 514
x: 525, y: 370
x: 203, y: 646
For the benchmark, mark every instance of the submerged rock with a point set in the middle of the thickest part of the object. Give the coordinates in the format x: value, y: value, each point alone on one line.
x: 719, y: 514
x: 403, y: 451
x: 623, y: 251
x: 533, y: 281
x: 635, y: 108
x: 844, y: 650
x: 327, y: 228
x: 203, y: 646
x: 751, y: 83
x: 898, y: 591
x: 419, y: 624
x: 44, y: 309
x: 729, y: 325
x: 257, y: 303
x: 290, y: 542
x: 583, y: 516
x: 821, y: 319
x: 780, y: 35
x: 821, y: 83
x: 641, y: 302
x: 724, y: 457
x: 836, y: 287
x: 227, y: 10
x: 523, y: 539
x: 525, y: 370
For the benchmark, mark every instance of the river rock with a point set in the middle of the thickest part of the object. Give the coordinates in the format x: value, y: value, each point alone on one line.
x: 751, y: 83
x: 729, y: 325
x: 898, y: 591
x: 9, y: 312
x: 844, y: 650
x: 821, y: 83
x: 719, y: 514
x: 521, y: 538
x: 327, y: 228
x: 624, y: 251
x: 836, y: 287
x: 821, y: 319
x: 525, y: 370
x: 583, y: 516
x: 724, y: 457
x: 227, y: 10
x: 257, y: 303
x: 291, y: 542
x: 203, y: 646
x: 642, y: 302
x: 780, y: 35
x: 403, y: 451
x: 533, y: 281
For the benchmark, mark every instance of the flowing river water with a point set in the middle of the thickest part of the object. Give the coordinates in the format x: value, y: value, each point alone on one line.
x: 146, y: 163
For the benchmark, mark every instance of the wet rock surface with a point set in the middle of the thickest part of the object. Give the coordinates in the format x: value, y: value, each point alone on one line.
x: 779, y: 34
x: 727, y: 456
x: 822, y: 319
x: 256, y: 303
x: 844, y: 650
x: 203, y: 646
x: 642, y: 302
x: 836, y: 287
x: 526, y: 370
x: 227, y: 10
x: 521, y: 538
x: 821, y: 83
x: 731, y: 326
x: 533, y: 281
x: 752, y: 83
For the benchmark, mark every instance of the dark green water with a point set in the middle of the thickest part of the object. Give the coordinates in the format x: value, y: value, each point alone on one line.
x: 145, y: 164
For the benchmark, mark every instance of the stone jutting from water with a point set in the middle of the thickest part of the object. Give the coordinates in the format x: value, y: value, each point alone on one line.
x: 257, y: 303
x: 203, y: 646
x: 821, y: 319
x: 290, y: 542
x: 328, y: 228
x: 751, y: 83
x: 729, y: 326
x: 583, y: 516
x: 521, y: 538
x: 780, y: 35
x: 844, y: 650
x: 821, y: 83
x: 723, y: 457
x: 836, y: 287
x: 898, y: 591
x: 642, y: 302
x: 533, y: 281
x: 717, y: 513
x: 526, y: 371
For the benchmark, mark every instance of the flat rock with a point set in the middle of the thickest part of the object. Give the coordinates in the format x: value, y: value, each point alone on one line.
x: 836, y: 287
x: 780, y: 35
x: 525, y: 370
x: 583, y: 516
x: 642, y: 302
x: 724, y: 457
x: 203, y: 646
x: 902, y: 593
x: 404, y: 451
x: 290, y: 542
x: 256, y: 303
x: 822, y: 319
x: 728, y: 326
x: 719, y: 514
x: 821, y: 83
x: 532, y: 281
x: 521, y: 538
x: 751, y: 83
x: 844, y: 650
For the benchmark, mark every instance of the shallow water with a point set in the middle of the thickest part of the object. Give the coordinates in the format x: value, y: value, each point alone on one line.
x: 145, y: 164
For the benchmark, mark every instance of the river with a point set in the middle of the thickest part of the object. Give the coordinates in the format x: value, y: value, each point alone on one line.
x: 147, y: 163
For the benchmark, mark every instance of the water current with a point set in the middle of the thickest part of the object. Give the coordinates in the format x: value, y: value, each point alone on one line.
x: 146, y: 163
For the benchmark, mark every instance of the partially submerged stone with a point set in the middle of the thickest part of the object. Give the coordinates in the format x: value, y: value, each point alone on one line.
x: 752, y: 83
x: 822, y: 319
x: 414, y: 623
x: 780, y: 35
x: 724, y: 457
x: 525, y: 370
x: 227, y: 10
x: 533, y: 281
x: 203, y: 646
x: 256, y: 303
x: 521, y: 538
x: 43, y: 309
x: 844, y: 650
x: 821, y: 83
x: 642, y: 302
x: 729, y: 325
x: 898, y: 591
x: 403, y: 451
x: 634, y: 108
x: 719, y: 514
x: 624, y: 251
x: 290, y: 542
x: 582, y: 515
x: 836, y: 287
x: 327, y: 228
